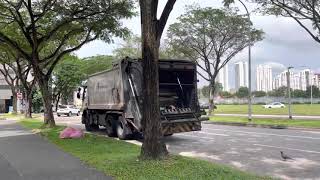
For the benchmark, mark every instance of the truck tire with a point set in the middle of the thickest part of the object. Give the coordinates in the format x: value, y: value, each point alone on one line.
x: 88, y: 125
x: 111, y: 126
x: 123, y: 131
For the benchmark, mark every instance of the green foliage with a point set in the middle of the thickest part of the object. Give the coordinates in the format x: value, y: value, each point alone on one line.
x: 67, y: 76
x: 96, y: 64
x: 259, y: 93
x: 280, y: 92
x: 119, y: 159
x: 315, y: 91
x: 299, y: 93
x: 130, y: 48
x: 226, y: 94
x: 37, y: 102
x: 242, y: 92
x: 206, y: 90
x: 211, y: 37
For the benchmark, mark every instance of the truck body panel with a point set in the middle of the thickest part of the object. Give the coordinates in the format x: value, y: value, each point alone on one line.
x: 119, y: 93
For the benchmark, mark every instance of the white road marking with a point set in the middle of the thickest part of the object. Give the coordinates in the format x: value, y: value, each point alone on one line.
x: 302, y: 150
x: 268, y: 134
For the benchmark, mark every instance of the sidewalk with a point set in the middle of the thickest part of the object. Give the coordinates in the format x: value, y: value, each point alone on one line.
x: 26, y: 156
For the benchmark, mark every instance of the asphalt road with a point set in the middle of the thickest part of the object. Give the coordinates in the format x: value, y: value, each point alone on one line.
x: 256, y: 150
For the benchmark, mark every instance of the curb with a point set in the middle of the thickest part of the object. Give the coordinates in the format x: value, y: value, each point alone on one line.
x: 262, y: 126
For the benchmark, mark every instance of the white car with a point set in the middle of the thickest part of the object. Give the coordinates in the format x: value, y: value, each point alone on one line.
x: 274, y: 105
x: 68, y: 110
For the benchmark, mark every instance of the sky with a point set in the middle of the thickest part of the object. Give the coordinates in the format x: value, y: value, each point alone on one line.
x: 285, y: 42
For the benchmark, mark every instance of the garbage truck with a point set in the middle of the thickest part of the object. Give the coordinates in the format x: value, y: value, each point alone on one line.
x: 114, y: 98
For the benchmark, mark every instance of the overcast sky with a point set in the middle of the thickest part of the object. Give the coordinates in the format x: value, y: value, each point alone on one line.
x: 285, y: 44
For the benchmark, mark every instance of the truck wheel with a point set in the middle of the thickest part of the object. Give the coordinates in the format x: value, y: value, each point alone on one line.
x: 70, y: 114
x: 111, y: 126
x: 78, y: 114
x: 123, y: 131
x: 89, y: 127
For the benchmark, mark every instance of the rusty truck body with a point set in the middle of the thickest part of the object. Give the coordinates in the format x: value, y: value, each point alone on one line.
x: 114, y: 98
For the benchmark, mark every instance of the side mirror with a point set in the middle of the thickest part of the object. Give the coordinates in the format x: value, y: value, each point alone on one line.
x: 78, y: 93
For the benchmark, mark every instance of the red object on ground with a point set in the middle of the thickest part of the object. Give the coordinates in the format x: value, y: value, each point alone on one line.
x: 70, y: 132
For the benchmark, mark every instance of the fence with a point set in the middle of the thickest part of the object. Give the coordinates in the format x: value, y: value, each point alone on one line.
x: 263, y: 100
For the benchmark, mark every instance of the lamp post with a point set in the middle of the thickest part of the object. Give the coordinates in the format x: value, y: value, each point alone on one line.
x: 289, y: 92
x: 249, y: 71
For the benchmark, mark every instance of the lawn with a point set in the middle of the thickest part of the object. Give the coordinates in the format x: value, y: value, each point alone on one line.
x: 297, y: 109
x: 8, y: 116
x: 120, y: 159
x: 265, y: 121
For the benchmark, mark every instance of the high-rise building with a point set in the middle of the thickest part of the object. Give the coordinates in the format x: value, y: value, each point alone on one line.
x: 264, y: 78
x: 241, y: 74
x: 305, y: 78
x: 223, y: 77
x: 317, y: 79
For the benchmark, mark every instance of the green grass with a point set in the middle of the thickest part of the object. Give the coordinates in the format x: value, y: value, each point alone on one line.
x: 297, y: 109
x: 120, y: 159
x: 9, y: 115
x: 266, y: 121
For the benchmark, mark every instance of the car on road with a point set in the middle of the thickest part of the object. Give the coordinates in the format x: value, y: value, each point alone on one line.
x: 68, y: 110
x: 274, y: 105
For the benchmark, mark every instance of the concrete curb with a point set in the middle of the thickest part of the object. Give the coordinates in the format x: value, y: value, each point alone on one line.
x: 261, y: 126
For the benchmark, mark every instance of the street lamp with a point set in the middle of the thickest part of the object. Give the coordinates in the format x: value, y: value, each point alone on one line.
x: 249, y: 70
x: 289, y: 92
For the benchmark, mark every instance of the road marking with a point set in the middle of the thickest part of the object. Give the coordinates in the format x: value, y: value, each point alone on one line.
x: 302, y: 150
x: 215, y: 134
x: 268, y: 134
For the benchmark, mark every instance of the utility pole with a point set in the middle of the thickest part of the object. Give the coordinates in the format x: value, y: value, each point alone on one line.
x: 249, y: 71
x: 311, y: 98
x: 289, y: 92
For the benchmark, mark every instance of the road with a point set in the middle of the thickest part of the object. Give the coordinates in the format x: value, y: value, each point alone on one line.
x: 256, y: 150
x: 272, y: 116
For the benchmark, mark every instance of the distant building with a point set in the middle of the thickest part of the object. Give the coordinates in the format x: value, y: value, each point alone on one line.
x: 223, y: 77
x: 241, y: 74
x: 264, y: 78
x: 5, y: 95
x: 305, y: 78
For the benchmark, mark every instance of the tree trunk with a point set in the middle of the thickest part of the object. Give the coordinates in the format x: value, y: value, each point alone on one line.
x: 153, y: 146
x: 211, y: 97
x: 47, y: 101
x: 57, y: 101
x: 14, y: 102
x: 28, y: 104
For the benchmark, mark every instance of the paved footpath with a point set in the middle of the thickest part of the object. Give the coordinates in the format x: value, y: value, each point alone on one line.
x: 26, y: 156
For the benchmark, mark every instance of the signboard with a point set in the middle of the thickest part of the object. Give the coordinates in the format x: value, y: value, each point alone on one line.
x: 19, y: 96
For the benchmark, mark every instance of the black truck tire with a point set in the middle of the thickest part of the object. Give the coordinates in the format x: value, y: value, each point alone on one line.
x: 111, y: 126
x: 123, y: 131
x: 88, y: 125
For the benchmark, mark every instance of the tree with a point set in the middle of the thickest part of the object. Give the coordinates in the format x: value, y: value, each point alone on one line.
x: 130, y: 48
x: 53, y: 29
x: 151, y: 31
x: 299, y: 93
x: 15, y: 64
x: 259, y: 93
x: 211, y: 38
x: 96, y: 64
x: 280, y: 92
x: 315, y: 91
x: 66, y: 77
x: 242, y: 92
x: 206, y: 90
x: 305, y: 12
x: 11, y: 78
x: 226, y: 94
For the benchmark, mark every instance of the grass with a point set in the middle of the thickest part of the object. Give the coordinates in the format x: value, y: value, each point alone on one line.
x: 297, y: 109
x: 9, y: 115
x: 119, y: 159
x: 268, y: 121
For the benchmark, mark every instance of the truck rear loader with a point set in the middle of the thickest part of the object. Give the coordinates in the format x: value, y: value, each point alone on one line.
x: 114, y: 98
